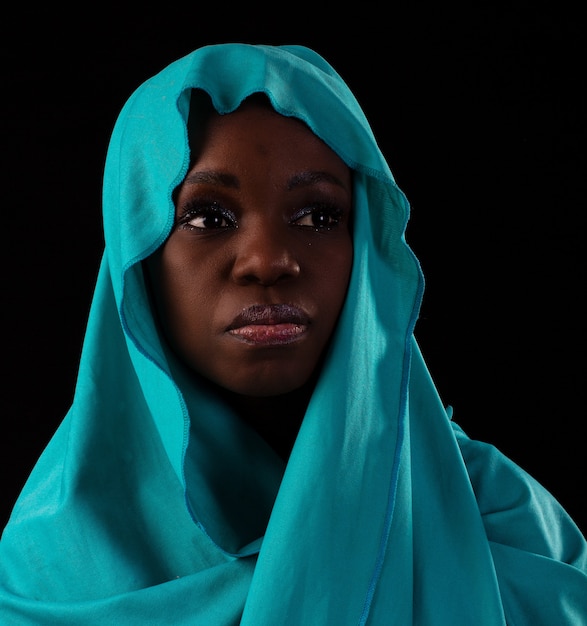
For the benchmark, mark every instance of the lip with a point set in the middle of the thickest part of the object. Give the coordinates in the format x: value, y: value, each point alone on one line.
x: 269, y: 324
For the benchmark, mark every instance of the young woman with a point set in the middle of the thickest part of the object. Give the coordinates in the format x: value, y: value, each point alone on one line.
x: 255, y: 438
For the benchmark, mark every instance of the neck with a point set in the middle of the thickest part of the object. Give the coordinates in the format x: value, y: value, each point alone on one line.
x: 275, y: 418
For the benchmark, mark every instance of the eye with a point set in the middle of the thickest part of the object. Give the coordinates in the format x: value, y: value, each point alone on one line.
x: 318, y: 217
x: 210, y: 216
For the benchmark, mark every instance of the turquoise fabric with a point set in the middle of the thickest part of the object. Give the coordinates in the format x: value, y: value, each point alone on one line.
x: 152, y: 504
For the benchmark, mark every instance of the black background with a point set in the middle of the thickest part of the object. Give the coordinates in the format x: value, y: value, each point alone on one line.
x: 480, y: 112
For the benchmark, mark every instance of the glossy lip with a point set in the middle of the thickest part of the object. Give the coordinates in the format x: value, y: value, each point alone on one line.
x: 269, y: 324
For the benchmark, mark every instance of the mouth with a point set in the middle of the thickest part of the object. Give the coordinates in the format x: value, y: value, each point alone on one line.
x: 269, y: 324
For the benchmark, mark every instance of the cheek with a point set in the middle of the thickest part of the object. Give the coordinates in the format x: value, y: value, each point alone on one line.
x: 331, y: 274
x: 340, y: 267
x: 172, y: 285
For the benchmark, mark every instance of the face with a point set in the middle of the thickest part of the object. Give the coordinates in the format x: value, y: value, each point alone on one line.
x: 251, y: 281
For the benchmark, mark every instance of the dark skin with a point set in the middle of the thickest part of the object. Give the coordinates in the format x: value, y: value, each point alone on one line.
x: 250, y: 283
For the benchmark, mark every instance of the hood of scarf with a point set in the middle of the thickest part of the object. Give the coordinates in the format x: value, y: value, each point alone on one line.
x: 153, y: 500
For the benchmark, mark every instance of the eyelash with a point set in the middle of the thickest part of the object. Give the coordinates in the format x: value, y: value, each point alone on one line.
x: 333, y: 213
x: 207, y: 210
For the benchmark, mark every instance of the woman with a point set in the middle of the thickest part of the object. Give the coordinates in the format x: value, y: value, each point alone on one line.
x: 255, y: 438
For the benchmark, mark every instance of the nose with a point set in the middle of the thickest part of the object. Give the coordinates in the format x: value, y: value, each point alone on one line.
x: 264, y: 255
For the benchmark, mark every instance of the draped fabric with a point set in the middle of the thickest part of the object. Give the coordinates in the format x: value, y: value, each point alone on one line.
x: 154, y: 504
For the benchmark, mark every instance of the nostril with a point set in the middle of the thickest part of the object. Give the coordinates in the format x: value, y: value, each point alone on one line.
x: 265, y: 266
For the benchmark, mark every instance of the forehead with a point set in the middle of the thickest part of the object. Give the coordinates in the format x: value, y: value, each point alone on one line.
x: 256, y: 131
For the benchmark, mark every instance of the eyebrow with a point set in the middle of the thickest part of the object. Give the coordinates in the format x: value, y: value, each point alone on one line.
x: 223, y: 179
x: 305, y: 179
x: 212, y: 177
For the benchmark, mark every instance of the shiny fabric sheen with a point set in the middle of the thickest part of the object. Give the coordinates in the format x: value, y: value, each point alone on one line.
x: 386, y: 513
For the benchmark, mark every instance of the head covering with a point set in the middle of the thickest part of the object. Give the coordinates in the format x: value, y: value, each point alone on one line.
x: 154, y: 504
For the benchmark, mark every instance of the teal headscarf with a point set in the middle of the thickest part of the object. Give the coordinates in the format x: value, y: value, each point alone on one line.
x: 154, y: 504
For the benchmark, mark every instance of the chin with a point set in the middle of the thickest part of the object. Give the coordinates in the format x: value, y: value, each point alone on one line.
x: 272, y: 383
x: 266, y: 389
